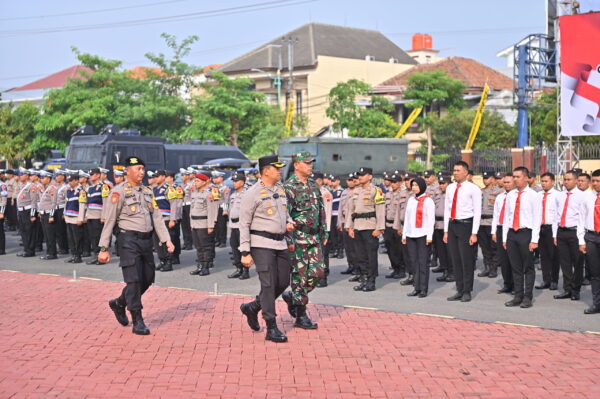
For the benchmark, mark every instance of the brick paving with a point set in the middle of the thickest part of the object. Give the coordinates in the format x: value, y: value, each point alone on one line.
x: 59, y: 339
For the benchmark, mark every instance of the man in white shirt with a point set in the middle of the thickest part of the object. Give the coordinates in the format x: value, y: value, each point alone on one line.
x: 590, y: 229
x: 521, y: 238
x: 564, y: 232
x: 462, y: 215
x: 498, y: 222
x: 548, y: 251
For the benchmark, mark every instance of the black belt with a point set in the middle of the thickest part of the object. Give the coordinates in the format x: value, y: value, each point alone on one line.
x: 574, y: 228
x: 468, y: 220
x: 389, y: 220
x: 439, y: 218
x: 199, y: 217
x: 487, y: 216
x: 137, y: 234
x: 234, y: 220
x: 276, y: 237
x: 547, y: 225
x: 367, y: 215
x: 522, y: 229
x: 592, y: 232
x: 306, y: 229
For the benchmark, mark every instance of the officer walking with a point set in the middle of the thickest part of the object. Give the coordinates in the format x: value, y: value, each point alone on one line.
x: 264, y: 221
x: 235, y: 202
x: 133, y: 208
x: 203, y: 218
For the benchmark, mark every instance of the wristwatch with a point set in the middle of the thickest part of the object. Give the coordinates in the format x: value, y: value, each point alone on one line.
x: 103, y: 249
x: 245, y: 253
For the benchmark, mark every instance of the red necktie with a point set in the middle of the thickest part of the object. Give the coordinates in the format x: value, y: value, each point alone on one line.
x: 501, y: 221
x: 419, y: 219
x: 563, y: 218
x: 453, y: 211
x: 597, y: 214
x: 544, y: 208
x: 516, y: 220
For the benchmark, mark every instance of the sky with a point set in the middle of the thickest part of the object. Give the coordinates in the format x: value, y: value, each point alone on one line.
x: 36, y: 36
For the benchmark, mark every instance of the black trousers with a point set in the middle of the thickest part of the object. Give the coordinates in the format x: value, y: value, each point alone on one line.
x: 350, y: 245
x: 61, y: 231
x: 462, y: 255
x: 137, y: 264
x: 521, y: 261
x: 366, y: 252
x: 186, y: 227
x: 409, y: 266
x: 10, y: 214
x: 2, y: 236
x: 94, y: 230
x: 204, y: 244
x: 221, y: 227
x: 161, y: 250
x: 26, y: 227
x: 569, y: 254
x: 86, y: 243
x: 393, y: 242
x: 548, y: 255
x: 418, y: 252
x: 441, y: 248
x: 503, y: 261
x: 75, y: 234
x: 592, y: 247
x: 325, y: 251
x: 234, y: 241
x: 488, y: 248
x: 49, y: 233
x: 336, y: 238
x: 38, y: 234
x: 273, y: 267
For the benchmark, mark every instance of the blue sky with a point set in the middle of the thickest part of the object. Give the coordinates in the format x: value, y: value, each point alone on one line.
x: 471, y: 28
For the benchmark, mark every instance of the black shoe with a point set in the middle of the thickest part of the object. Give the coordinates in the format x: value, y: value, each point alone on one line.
x: 592, y: 309
x: 222, y: 245
x: 245, y: 273
x: 236, y: 274
x: 401, y: 275
x: 302, y: 321
x: 77, y: 259
x: 438, y: 270
x: 211, y: 264
x: 139, y: 327
x: 93, y: 262
x: 340, y: 255
x: 175, y: 260
x: 466, y: 297
x: 422, y: 294
x: 355, y: 279
x: 25, y: 255
x: 273, y: 333
x: 46, y: 257
x: 167, y: 268
x: 575, y: 296
x: 504, y: 290
x: 441, y: 278
x: 456, y: 297
x: 287, y: 297
x: 553, y: 286
x: 86, y: 255
x: 197, y: 271
x: 63, y: 252
x: 250, y: 310
x: 413, y: 293
x: 527, y: 303
x: 204, y: 270
x: 395, y: 275
x: 322, y: 282
x: 70, y: 260
x: 585, y: 281
x: 347, y: 271
x: 483, y: 273
x: 187, y: 247
x: 513, y: 302
x: 2, y: 252
x: 369, y: 287
x: 160, y: 265
x: 450, y: 278
x: 542, y: 286
x: 564, y: 295
x: 119, y: 312
x: 359, y: 287
x: 409, y: 281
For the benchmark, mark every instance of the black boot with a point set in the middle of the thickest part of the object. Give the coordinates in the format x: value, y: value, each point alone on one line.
x: 245, y: 273
x: 493, y: 272
x: 347, y: 271
x: 250, y: 310
x: 395, y: 274
x: 362, y: 285
x: 119, y: 311
x: 168, y: 266
x: 322, y: 282
x: 139, y: 327
x: 355, y: 278
x: 302, y: 321
x: 485, y: 272
x: 77, y: 259
x: 237, y: 273
x: 409, y: 281
x: 273, y: 333
x: 70, y: 260
x: 161, y: 264
x: 340, y: 254
x: 175, y: 260
x: 211, y: 264
x: 287, y: 297
x: 93, y: 261
x: 204, y: 269
x: 197, y: 271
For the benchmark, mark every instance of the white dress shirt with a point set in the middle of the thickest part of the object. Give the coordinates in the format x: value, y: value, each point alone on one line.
x: 573, y: 210
x: 588, y: 205
x: 468, y: 204
x: 500, y: 198
x: 550, y: 205
x: 410, y: 220
x: 530, y: 215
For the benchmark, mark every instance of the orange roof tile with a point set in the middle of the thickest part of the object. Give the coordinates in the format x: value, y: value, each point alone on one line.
x: 58, y: 79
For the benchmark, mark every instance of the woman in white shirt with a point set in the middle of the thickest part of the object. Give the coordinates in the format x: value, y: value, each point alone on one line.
x: 418, y: 234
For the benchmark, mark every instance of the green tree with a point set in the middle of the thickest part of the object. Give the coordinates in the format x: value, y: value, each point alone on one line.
x: 432, y: 91
x: 17, y: 131
x: 542, y: 119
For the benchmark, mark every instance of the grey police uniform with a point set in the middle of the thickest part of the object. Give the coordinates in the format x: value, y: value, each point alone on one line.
x: 47, y: 208
x: 484, y: 235
x: 391, y: 238
x: 26, y: 206
x: 203, y: 216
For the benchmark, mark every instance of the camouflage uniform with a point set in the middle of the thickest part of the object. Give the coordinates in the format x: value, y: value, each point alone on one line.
x: 305, y: 205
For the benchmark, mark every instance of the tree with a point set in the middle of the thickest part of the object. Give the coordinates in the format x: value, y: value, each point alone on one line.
x: 542, y: 119
x: 17, y: 131
x: 432, y: 91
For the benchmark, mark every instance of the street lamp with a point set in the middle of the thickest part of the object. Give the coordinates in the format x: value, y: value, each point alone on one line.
x: 276, y: 81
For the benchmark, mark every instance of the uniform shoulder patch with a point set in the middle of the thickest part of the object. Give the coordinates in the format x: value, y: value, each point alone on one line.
x: 215, y: 193
x: 379, y: 197
x: 114, y: 198
x: 82, y: 197
x: 154, y: 204
x: 105, y: 190
x: 171, y: 193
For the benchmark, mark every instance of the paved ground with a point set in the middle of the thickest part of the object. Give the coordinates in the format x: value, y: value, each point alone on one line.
x: 487, y: 305
x: 59, y: 339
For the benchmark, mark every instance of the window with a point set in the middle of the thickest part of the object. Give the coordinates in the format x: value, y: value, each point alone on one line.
x: 367, y: 158
x: 299, y: 102
x: 85, y: 154
x: 337, y: 157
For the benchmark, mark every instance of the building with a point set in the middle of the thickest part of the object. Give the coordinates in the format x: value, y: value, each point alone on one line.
x: 322, y: 56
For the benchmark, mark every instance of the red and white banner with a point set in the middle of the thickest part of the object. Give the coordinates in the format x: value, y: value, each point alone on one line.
x: 580, y: 74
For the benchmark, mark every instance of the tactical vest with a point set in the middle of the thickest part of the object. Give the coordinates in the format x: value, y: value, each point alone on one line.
x: 160, y: 195
x: 72, y: 207
x: 94, y: 197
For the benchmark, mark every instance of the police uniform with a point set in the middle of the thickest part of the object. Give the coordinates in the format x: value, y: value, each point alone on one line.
x: 76, y: 198
x: 398, y: 225
x: 46, y: 209
x: 59, y: 220
x: 86, y: 241
x: 348, y: 242
x: 336, y: 242
x: 392, y: 240
x: 367, y: 214
x: 166, y: 200
x: 93, y: 214
x: 134, y: 210
x: 26, y: 203
x: 235, y: 202
x: 484, y: 236
x: 441, y: 249
x: 3, y: 211
x: 37, y: 223
x: 186, y: 229
x: 263, y: 219
x: 221, y: 228
x: 10, y: 214
x: 203, y: 216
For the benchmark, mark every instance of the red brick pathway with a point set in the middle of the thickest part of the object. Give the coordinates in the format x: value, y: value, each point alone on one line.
x: 59, y: 339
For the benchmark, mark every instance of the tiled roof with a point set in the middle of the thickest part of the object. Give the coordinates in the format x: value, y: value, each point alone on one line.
x: 58, y: 79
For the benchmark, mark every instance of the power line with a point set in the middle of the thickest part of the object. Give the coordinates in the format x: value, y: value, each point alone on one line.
x: 467, y: 31
x: 172, y: 18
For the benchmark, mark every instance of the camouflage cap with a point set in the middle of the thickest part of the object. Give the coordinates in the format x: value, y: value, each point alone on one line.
x: 303, y: 156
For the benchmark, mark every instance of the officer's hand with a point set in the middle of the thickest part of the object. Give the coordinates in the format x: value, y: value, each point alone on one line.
x: 351, y: 233
x: 50, y: 220
x: 399, y: 232
x: 473, y: 239
x: 582, y: 249
x: 445, y: 238
x: 404, y: 241
x: 555, y: 242
x: 225, y: 213
x: 291, y: 247
x: 494, y: 237
x: 247, y: 260
x: 1, y: 216
x: 102, y: 221
x: 290, y: 227
x: 85, y: 220
x: 325, y: 242
x: 428, y: 242
x: 171, y: 224
x: 104, y: 256
x: 170, y: 246
x: 532, y: 246
x: 79, y: 223
x: 340, y: 228
x: 504, y: 245
x: 33, y: 219
x: 376, y: 233
x: 210, y: 231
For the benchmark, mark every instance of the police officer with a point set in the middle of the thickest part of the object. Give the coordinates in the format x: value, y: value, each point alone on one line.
x: 327, y: 198
x: 336, y: 241
x: 484, y: 236
x: 11, y: 200
x: 175, y: 196
x: 59, y: 220
x: 305, y: 206
x: 76, y: 199
x: 26, y: 206
x: 445, y: 266
x: 221, y: 228
x: 86, y: 241
x: 133, y: 208
x: 235, y: 202
x: 392, y: 241
x: 3, y: 206
x: 46, y: 209
x: 366, y: 224
x: 203, y: 218
x: 165, y: 197
x: 349, y: 243
x: 187, y: 179
x: 34, y: 177
x: 264, y: 220
x: 93, y: 211
x: 405, y: 194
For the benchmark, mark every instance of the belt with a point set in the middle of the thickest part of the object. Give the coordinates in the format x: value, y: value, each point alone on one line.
x: 199, y: 217
x: 487, y: 216
x: 389, y: 220
x: 439, y: 218
x: 276, y: 237
x: 187, y: 203
x: 574, y: 228
x: 61, y: 207
x: 234, y: 220
x: 307, y: 230
x: 547, y: 225
x: 25, y: 208
x: 137, y: 234
x: 521, y: 229
x: 367, y: 215
x: 592, y: 232
x: 468, y: 220
x: 44, y: 212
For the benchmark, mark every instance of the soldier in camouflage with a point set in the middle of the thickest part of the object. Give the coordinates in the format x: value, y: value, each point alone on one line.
x: 305, y: 206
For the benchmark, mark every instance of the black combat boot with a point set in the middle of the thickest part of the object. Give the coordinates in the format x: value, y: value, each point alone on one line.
x: 119, y: 311
x: 369, y: 285
x: 347, y: 271
x: 322, y: 282
x: 77, y: 259
x: 340, y: 254
x: 273, y: 333
x: 493, y: 272
x: 175, y: 260
x: 287, y: 297
x: 250, y: 310
x: 237, y: 273
x: 197, y: 271
x: 485, y: 272
x: 362, y: 285
x: 204, y: 269
x: 355, y: 278
x: 302, y: 320
x: 168, y: 266
x: 161, y: 264
x: 245, y: 273
x: 139, y: 327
